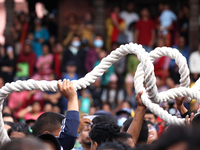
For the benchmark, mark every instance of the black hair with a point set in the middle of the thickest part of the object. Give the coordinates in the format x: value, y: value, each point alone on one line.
x: 103, y: 118
x: 114, y: 146
x: 20, y: 127
x: 143, y: 133
x: 126, y: 124
x: 7, y: 115
x: 196, y: 121
x: 23, y: 144
x: 149, y: 112
x: 120, y: 137
x: 48, y: 121
x: 173, y: 135
x: 102, y: 131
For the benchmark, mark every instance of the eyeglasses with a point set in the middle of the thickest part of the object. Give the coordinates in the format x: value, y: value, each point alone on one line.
x: 151, y: 127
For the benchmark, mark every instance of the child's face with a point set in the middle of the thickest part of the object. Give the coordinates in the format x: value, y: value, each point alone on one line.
x: 71, y: 69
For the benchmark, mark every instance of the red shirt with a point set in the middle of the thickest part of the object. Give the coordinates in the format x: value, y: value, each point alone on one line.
x: 145, y: 31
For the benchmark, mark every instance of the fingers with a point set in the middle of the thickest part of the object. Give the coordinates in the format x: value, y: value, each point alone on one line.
x: 59, y: 85
x: 84, y: 115
x: 138, y: 96
x: 191, y: 118
x: 186, y: 121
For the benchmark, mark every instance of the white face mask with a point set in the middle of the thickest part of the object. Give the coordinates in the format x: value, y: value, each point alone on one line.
x: 121, y: 120
x: 76, y: 43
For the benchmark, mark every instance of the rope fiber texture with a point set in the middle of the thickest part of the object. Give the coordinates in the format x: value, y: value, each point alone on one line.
x: 144, y: 73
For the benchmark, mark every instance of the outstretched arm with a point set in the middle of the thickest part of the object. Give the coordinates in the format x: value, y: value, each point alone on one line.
x: 136, y: 124
x: 69, y: 129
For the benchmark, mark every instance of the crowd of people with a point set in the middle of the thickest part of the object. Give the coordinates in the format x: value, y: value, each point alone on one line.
x: 111, y: 115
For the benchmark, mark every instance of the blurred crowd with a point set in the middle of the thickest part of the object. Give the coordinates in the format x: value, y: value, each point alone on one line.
x: 38, y: 54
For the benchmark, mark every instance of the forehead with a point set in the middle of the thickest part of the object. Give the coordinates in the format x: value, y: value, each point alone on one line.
x: 148, y: 115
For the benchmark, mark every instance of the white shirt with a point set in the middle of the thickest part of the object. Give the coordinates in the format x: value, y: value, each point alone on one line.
x: 129, y: 18
x: 194, y: 62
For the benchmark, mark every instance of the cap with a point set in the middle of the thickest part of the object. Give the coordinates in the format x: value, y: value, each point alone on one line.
x: 113, y: 78
x: 51, y: 138
x: 71, y: 63
x: 102, y: 112
x: 124, y: 110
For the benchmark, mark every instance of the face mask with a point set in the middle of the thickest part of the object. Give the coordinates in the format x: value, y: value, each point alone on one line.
x: 76, y: 43
x: 121, y: 121
x: 98, y: 43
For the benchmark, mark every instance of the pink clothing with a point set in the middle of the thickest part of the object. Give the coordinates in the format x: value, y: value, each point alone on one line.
x: 17, y: 101
x: 44, y: 64
x: 29, y: 116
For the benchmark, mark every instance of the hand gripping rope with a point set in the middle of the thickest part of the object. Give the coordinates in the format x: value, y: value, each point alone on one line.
x: 145, y: 72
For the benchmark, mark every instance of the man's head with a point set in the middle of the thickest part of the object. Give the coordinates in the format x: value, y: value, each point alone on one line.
x: 19, y: 130
x: 24, y: 144
x: 123, y: 137
x: 196, y: 121
x: 143, y: 133
x: 48, y: 122
x: 103, y: 118
x: 153, y: 132
x: 84, y: 137
x: 114, y: 146
x: 101, y: 132
x: 8, y: 121
x: 149, y: 116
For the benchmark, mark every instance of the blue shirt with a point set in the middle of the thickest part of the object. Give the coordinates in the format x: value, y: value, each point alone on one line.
x: 69, y: 133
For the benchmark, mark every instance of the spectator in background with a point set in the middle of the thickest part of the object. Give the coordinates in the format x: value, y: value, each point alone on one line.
x: 106, y: 76
x: 130, y: 91
x: 41, y: 36
x: 153, y: 132
x: 58, y: 56
x: 96, y: 91
x: 25, y: 63
x: 74, y: 53
x: 167, y: 18
x: 132, y: 63
x: 112, y: 95
x: 92, y: 54
x: 70, y: 71
x: 7, y: 63
x: 87, y: 27
x: 194, y: 61
x: 130, y: 17
x: 183, y: 23
x: 184, y: 50
x: 161, y: 65
x: 44, y: 64
x: 71, y: 30
x: 115, y: 28
x: 145, y: 31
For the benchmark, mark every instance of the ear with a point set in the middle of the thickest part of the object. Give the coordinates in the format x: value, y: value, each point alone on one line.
x: 46, y: 132
x: 96, y: 145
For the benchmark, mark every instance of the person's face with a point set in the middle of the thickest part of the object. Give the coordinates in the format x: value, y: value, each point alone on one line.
x: 45, y: 49
x: 130, y: 7
x: 113, y: 84
x: 36, y: 107
x: 129, y: 85
x: 97, y: 83
x: 145, y: 13
x: 84, y: 136
x: 59, y: 48
x: 150, y: 117
x: 71, y: 69
x: 170, y: 83
x: 158, y: 82
x: 87, y: 16
x: 153, y: 135
x: 181, y: 42
x: 160, y: 43
x: 48, y: 108
x: 27, y: 49
x: 117, y: 11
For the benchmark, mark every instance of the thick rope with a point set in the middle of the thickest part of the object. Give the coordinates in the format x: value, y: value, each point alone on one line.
x: 144, y: 69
